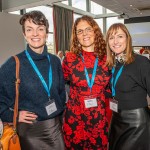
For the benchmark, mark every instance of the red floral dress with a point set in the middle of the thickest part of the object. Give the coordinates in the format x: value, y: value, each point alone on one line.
x: 85, y: 128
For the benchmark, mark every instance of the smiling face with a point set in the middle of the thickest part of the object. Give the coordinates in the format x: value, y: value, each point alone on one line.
x: 85, y: 35
x: 35, y: 35
x: 118, y: 41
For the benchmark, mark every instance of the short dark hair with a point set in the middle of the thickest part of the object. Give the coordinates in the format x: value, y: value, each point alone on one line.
x: 36, y: 17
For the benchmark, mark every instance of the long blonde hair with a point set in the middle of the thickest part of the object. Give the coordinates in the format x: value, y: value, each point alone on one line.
x: 128, y: 51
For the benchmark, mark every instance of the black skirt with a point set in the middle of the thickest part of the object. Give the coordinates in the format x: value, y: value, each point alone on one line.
x: 130, y: 130
x: 41, y: 135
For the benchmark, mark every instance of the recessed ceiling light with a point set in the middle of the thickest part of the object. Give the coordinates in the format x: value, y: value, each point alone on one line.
x: 131, y: 5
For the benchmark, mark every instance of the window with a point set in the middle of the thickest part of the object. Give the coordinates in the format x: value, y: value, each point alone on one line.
x: 100, y: 23
x: 65, y: 2
x: 76, y: 16
x: 111, y: 20
x: 109, y: 11
x: 79, y: 3
x: 95, y: 8
x: 50, y: 43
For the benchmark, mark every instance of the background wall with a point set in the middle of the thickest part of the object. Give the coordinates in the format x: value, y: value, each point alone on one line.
x: 139, y: 29
x: 11, y: 38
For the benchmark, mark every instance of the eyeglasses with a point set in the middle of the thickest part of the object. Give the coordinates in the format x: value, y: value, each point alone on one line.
x: 86, y: 30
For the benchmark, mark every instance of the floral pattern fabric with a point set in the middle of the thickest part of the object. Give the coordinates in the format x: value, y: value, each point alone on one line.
x: 85, y: 128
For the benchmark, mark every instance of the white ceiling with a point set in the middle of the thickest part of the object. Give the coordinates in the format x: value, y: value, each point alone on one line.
x: 139, y: 8
x: 13, y: 5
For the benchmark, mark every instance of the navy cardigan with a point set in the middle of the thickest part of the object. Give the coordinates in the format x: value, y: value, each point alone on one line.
x: 32, y: 96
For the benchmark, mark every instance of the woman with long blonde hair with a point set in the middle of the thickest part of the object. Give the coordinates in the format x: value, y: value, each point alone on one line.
x: 130, y: 82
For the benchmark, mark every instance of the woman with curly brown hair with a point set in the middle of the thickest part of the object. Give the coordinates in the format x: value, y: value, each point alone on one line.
x: 85, y: 123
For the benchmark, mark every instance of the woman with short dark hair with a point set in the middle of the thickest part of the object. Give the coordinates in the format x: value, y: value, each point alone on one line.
x: 42, y: 90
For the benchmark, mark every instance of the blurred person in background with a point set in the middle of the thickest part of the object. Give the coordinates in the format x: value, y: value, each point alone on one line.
x: 60, y: 56
x: 146, y: 53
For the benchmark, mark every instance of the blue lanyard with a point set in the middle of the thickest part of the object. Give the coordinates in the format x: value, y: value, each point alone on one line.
x: 39, y: 74
x: 114, y: 81
x: 90, y: 82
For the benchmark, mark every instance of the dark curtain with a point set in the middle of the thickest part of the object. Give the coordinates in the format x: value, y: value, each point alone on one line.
x: 63, y: 21
x: 0, y: 5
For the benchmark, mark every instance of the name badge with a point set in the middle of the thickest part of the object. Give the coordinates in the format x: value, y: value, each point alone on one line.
x: 51, y: 107
x: 1, y: 128
x: 114, y: 105
x: 92, y: 102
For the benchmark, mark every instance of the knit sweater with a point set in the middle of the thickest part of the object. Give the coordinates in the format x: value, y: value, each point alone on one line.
x: 32, y: 94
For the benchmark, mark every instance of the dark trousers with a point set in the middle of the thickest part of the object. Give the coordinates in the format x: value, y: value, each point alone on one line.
x: 41, y: 135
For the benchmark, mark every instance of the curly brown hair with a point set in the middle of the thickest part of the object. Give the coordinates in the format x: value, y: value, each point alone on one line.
x: 99, y: 42
x: 36, y: 17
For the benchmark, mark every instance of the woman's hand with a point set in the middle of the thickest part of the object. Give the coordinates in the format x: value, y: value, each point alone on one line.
x: 27, y: 117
